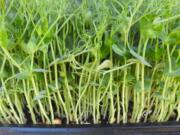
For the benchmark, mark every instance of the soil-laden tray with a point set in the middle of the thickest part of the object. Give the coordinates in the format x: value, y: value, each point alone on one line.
x: 169, y: 128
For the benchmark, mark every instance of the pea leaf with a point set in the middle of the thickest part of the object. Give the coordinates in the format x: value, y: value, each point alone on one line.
x: 23, y: 75
x: 42, y: 94
x: 130, y: 79
x: 93, y: 83
x: 147, y: 85
x: 3, y: 74
x: 159, y: 53
x: 104, y: 52
x: 118, y: 50
x: 105, y: 80
x: 108, y: 42
x: 149, y: 28
x: 29, y: 47
x: 39, y: 30
x: 53, y: 88
x: 160, y: 96
x: 174, y: 37
x: 140, y: 58
x: 178, y: 96
x: 43, y: 48
x: 174, y: 73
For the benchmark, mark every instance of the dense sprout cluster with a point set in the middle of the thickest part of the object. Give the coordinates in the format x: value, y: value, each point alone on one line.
x: 89, y: 61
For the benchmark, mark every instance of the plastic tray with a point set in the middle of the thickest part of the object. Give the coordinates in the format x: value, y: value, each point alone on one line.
x: 170, y: 128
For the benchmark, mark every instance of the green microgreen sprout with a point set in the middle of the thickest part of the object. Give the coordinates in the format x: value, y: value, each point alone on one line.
x: 89, y: 61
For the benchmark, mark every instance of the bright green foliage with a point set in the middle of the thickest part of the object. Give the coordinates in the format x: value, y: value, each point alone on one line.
x: 81, y: 59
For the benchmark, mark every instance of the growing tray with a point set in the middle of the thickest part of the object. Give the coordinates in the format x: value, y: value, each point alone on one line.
x: 170, y: 128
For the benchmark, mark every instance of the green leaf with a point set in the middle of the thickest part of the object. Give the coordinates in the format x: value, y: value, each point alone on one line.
x: 123, y: 21
x: 160, y: 96
x: 174, y: 73
x: 159, y: 53
x: 140, y: 58
x: 130, y: 79
x: 53, y: 88
x: 39, y: 30
x: 174, y: 37
x: 108, y: 42
x: 69, y: 41
x: 149, y: 28
x: 30, y: 47
x: 114, y: 91
x: 3, y: 74
x: 178, y: 95
x: 44, y: 48
x: 11, y: 45
x: 93, y: 83
x: 147, y: 85
x: 105, y: 80
x: 118, y: 50
x: 42, y: 94
x: 104, y: 52
x: 23, y: 75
